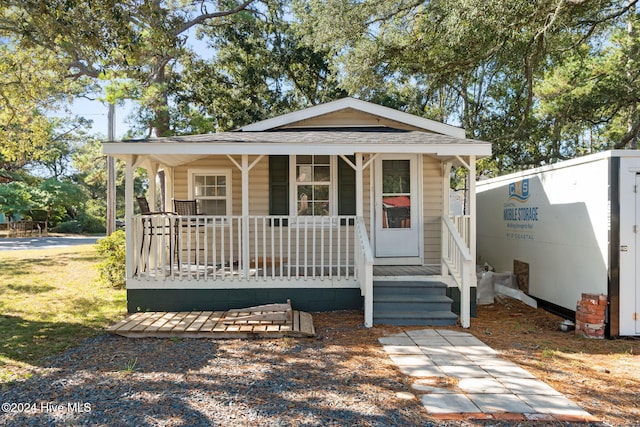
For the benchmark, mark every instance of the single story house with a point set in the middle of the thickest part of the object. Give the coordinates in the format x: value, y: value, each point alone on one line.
x: 338, y: 206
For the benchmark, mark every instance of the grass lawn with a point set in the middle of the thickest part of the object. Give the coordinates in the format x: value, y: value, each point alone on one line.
x: 51, y: 300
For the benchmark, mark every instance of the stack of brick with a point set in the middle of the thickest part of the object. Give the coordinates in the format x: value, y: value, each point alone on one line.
x: 591, y: 314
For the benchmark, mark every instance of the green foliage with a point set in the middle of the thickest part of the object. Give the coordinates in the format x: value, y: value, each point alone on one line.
x: 113, y: 265
x: 131, y: 47
x: 68, y: 227
x: 16, y: 198
x: 543, y: 81
x: 93, y: 217
x: 29, y: 88
x: 515, y: 73
x: 261, y: 69
x: 597, y: 91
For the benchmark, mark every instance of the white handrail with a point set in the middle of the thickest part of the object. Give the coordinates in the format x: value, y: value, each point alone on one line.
x: 457, y: 259
x: 364, y: 269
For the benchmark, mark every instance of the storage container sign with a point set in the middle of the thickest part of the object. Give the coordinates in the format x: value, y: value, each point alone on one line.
x: 518, y: 216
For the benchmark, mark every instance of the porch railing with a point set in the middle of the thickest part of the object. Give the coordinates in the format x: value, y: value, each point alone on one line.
x: 364, y: 269
x: 463, y: 225
x: 456, y: 259
x: 252, y: 248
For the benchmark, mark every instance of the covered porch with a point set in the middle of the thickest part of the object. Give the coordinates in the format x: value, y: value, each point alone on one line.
x: 285, y: 255
x: 300, y: 213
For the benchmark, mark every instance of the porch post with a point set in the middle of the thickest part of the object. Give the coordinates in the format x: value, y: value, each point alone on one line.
x: 465, y: 295
x: 128, y: 214
x: 152, y: 172
x: 366, y: 281
x: 245, y: 215
x: 472, y: 209
x: 168, y: 199
x: 359, y: 186
x: 446, y: 207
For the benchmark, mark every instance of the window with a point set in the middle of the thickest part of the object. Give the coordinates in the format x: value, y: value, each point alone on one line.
x: 212, y: 191
x: 396, y: 194
x: 319, y: 187
x: 313, y: 185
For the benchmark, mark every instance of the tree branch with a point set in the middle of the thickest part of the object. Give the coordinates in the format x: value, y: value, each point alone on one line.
x: 84, y: 70
x: 629, y: 136
x: 206, y: 16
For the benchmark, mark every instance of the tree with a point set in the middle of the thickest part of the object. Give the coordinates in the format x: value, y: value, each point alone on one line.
x: 30, y: 89
x: 89, y: 164
x: 261, y: 68
x: 474, y: 63
x: 598, y: 93
x: 132, y: 44
x: 53, y: 195
x: 16, y: 199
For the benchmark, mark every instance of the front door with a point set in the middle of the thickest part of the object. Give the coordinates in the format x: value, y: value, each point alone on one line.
x: 397, y: 202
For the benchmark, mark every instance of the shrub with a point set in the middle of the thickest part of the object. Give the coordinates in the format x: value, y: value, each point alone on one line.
x: 68, y: 227
x: 92, y: 224
x: 113, y: 265
x: 93, y: 217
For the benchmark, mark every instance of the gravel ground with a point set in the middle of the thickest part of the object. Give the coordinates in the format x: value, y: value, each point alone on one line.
x: 342, y: 377
x: 335, y: 379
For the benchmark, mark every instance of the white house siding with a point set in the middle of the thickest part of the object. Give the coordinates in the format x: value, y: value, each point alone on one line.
x: 181, y: 179
x: 259, y: 197
x: 328, y: 243
x: 432, y: 208
x: 351, y: 118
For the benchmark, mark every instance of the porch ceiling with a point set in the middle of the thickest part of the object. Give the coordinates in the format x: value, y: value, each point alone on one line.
x: 174, y: 151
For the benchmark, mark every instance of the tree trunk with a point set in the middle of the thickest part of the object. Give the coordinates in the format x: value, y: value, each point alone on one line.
x: 161, y: 125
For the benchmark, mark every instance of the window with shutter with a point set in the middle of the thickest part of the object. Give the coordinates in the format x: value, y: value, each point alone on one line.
x: 314, y: 185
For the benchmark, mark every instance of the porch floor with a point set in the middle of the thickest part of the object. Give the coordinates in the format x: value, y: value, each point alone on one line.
x: 208, y: 272
x: 406, y: 270
x: 211, y: 324
x: 204, y: 272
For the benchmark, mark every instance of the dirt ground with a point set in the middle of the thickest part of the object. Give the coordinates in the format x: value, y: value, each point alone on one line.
x: 602, y: 376
x: 340, y: 377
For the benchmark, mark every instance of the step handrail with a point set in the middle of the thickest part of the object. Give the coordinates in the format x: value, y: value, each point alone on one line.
x: 364, y: 268
x: 456, y: 256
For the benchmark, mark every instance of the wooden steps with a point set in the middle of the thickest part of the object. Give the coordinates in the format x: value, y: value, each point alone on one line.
x: 412, y: 302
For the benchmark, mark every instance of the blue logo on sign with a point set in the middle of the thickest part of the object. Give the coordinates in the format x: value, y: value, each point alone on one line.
x: 519, y: 190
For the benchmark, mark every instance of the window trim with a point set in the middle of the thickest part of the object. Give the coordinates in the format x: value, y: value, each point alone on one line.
x: 227, y: 173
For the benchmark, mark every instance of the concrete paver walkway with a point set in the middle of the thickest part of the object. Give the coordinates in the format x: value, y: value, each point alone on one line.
x: 457, y: 376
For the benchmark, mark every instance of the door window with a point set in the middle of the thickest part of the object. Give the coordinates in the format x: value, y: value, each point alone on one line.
x: 396, y: 194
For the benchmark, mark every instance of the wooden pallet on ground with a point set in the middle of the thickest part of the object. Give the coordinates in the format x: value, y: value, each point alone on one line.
x: 253, y: 322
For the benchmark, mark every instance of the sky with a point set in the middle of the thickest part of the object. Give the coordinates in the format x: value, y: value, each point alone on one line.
x: 97, y: 112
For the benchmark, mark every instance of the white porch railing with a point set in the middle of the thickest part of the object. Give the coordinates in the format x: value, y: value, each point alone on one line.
x: 456, y: 259
x: 463, y: 225
x: 172, y: 247
x: 364, y: 269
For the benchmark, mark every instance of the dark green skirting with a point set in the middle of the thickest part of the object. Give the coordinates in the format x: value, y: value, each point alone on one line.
x: 308, y: 299
x: 454, y: 294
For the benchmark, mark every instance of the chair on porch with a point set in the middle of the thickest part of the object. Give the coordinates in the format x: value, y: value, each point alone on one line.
x: 189, y: 209
x: 186, y: 207
x: 151, y: 229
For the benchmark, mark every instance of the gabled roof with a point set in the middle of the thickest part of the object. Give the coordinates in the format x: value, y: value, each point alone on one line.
x: 342, y: 127
x: 290, y: 119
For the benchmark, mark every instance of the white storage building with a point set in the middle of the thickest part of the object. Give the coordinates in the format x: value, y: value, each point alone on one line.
x: 568, y: 229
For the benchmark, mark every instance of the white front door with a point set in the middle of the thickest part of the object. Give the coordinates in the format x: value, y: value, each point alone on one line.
x: 397, y: 207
